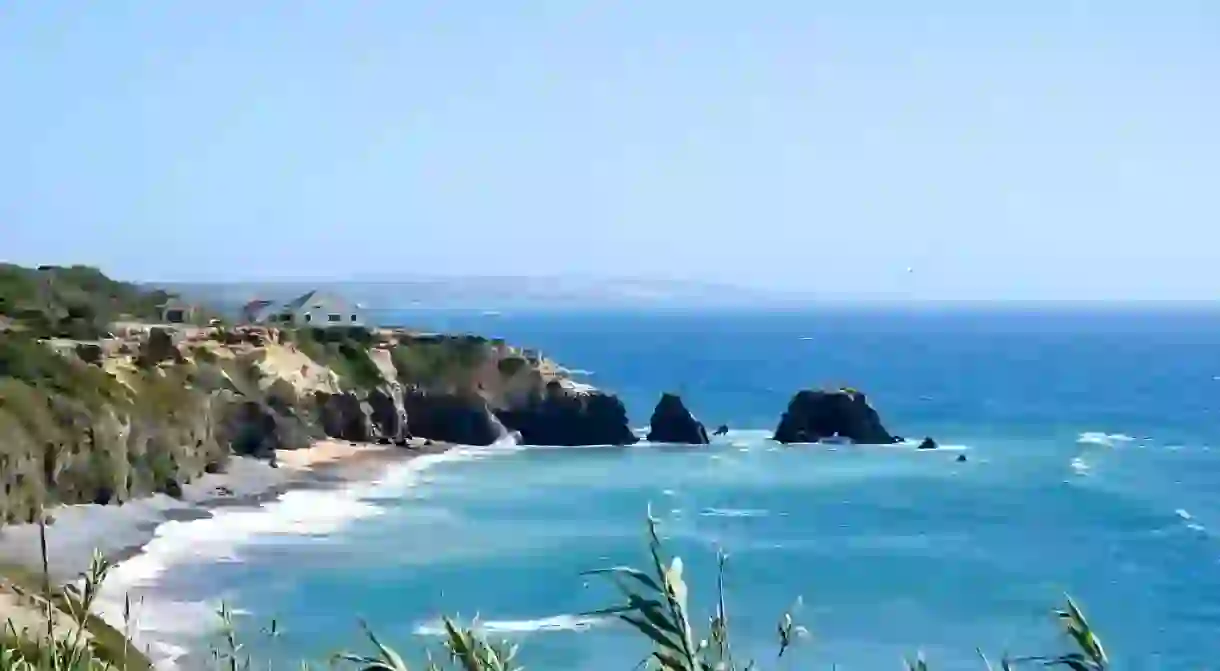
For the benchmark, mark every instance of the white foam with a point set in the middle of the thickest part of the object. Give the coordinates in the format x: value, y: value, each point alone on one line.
x: 733, y: 512
x: 162, y: 624
x: 914, y: 444
x: 546, y: 624
x: 1103, y: 439
x: 1191, y: 523
x: 1080, y: 466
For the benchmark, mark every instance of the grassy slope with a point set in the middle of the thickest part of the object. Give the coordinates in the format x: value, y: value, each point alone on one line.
x: 71, y: 301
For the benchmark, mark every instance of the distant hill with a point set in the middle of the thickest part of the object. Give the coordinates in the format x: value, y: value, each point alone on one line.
x: 495, y: 293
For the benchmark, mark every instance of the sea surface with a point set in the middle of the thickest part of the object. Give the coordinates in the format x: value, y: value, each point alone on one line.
x: 1093, y: 445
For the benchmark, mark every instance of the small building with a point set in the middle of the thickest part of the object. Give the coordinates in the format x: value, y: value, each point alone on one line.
x: 176, y: 311
x: 314, y: 309
x: 257, y: 311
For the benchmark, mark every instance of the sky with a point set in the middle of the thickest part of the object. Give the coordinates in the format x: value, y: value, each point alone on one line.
x: 1034, y: 150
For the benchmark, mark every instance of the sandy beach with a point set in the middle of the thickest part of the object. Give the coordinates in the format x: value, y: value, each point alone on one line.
x: 120, y: 532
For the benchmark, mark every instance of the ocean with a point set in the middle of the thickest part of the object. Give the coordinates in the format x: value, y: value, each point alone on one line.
x: 1093, y: 469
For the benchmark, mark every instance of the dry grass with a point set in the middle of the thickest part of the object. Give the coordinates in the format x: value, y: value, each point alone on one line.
x: 654, y: 605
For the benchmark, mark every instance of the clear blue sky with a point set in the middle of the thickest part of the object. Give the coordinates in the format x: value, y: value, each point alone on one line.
x: 1043, y: 149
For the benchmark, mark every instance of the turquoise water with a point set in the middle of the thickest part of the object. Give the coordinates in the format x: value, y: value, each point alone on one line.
x: 1092, y: 469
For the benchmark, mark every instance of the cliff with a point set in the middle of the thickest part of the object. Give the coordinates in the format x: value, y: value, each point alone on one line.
x: 119, y: 410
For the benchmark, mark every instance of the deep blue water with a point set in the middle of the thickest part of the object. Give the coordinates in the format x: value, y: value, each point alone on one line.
x: 1094, y: 467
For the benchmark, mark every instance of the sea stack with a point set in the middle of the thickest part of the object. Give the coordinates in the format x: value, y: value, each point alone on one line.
x: 673, y: 423
x: 813, y: 415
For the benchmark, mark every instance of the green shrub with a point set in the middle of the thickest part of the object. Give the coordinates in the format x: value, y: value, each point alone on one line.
x: 37, y: 365
x: 72, y: 301
x: 510, y: 366
x: 344, y: 350
x: 442, y: 362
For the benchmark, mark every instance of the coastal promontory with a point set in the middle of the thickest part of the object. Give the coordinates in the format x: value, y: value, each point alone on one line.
x: 104, y: 400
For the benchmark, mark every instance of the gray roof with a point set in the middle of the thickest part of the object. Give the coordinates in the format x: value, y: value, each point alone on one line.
x: 312, y: 297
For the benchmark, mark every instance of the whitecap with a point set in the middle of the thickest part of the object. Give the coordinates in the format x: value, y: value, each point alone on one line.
x: 220, y: 537
x: 1080, y: 466
x: 546, y: 624
x: 733, y: 512
x: 1183, y: 513
x: 1103, y: 439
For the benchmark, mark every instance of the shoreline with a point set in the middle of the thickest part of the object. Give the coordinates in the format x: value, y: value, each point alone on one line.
x: 122, y: 533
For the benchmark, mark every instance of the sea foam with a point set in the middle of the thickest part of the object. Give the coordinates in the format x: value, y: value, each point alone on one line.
x: 504, y: 627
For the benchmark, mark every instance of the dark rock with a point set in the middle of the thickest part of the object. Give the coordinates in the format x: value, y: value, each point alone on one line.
x: 343, y: 416
x: 90, y: 353
x: 927, y: 444
x: 571, y: 417
x: 815, y: 415
x: 250, y: 429
x: 103, y: 495
x: 961, y: 457
x: 672, y: 423
x: 173, y: 488
x: 159, y: 347
x: 451, y: 418
x: 721, y: 430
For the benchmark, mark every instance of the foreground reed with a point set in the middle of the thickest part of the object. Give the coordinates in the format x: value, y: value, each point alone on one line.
x: 73, y: 638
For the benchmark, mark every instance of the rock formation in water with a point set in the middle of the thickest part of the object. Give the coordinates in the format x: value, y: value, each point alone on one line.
x: 672, y: 423
x: 816, y: 415
x: 569, y: 415
x: 722, y: 430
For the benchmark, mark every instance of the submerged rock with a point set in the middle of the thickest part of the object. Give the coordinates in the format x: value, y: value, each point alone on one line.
x: 814, y: 415
x: 927, y: 444
x: 571, y: 416
x: 672, y: 423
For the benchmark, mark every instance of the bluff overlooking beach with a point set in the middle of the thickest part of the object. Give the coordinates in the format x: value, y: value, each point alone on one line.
x: 102, y: 402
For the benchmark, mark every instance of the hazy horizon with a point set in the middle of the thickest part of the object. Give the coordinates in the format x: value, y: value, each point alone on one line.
x: 945, y: 151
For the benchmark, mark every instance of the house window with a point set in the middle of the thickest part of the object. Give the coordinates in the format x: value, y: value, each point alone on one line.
x: 308, y: 317
x: 354, y: 319
x: 333, y: 318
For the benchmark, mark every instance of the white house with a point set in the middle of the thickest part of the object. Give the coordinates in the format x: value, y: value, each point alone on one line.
x: 312, y: 309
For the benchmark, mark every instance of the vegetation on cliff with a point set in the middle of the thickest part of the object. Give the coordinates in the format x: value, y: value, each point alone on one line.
x: 71, y: 432
x: 71, y: 301
x: 96, y: 418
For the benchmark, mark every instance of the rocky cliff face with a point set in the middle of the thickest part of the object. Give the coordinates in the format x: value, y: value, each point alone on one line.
x: 672, y: 423
x: 570, y: 416
x: 150, y: 411
x: 815, y: 415
x: 73, y: 433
